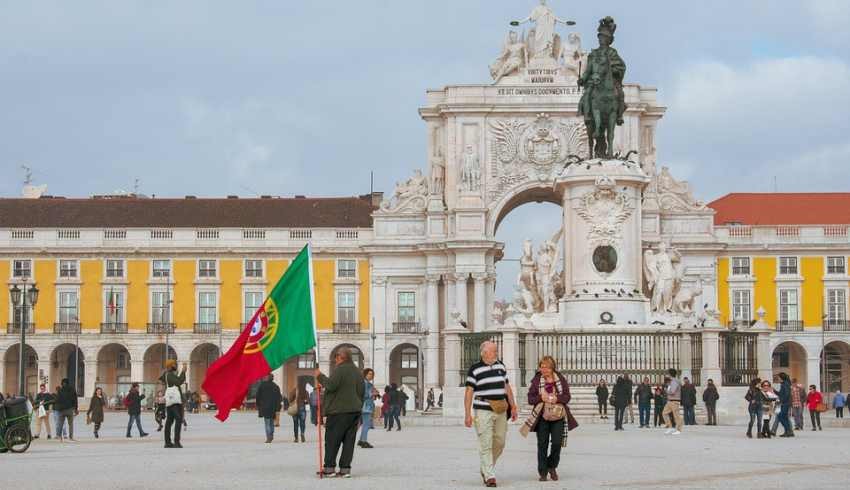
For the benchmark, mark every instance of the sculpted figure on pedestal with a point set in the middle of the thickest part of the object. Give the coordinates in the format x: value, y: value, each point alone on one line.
x: 573, y: 59
x: 674, y: 194
x: 527, y: 299
x: 543, y: 42
x: 438, y: 174
x: 663, y: 276
x: 546, y: 273
x: 408, y: 191
x: 514, y: 56
x: 683, y: 302
x: 602, y: 104
x: 470, y: 173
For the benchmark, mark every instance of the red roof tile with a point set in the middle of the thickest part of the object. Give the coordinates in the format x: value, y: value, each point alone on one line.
x: 827, y: 208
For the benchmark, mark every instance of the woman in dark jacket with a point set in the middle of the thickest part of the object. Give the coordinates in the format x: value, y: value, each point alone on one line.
x: 754, y: 399
x: 95, y: 411
x: 549, y: 387
x: 299, y: 397
x: 622, y: 395
x: 602, y: 399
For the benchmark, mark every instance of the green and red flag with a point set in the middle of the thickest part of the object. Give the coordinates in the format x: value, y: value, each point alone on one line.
x: 284, y: 326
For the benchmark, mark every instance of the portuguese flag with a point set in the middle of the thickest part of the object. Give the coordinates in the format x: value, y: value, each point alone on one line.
x: 283, y: 327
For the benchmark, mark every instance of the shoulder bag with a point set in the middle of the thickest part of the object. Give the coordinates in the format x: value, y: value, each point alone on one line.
x: 172, y: 394
x: 551, y: 411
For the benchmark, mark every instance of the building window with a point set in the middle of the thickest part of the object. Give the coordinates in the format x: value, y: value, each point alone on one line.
x: 68, y: 268
x: 781, y: 358
x: 836, y: 305
x: 68, y: 307
x: 160, y: 307
x: 741, y: 305
x: 22, y: 268
x: 346, y: 268
x: 18, y: 317
x: 123, y: 360
x: 788, y: 305
x: 161, y: 268
x: 307, y: 361
x: 409, y: 358
x: 406, y: 306
x: 253, y: 268
x: 740, y: 266
x: 114, y: 307
x: 253, y: 300
x: 206, y: 268
x: 345, y: 310
x: 788, y: 265
x: 207, y: 307
x: 835, y: 265
x: 114, y: 268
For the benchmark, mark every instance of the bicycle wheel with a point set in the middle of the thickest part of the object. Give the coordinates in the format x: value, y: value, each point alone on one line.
x: 18, y: 438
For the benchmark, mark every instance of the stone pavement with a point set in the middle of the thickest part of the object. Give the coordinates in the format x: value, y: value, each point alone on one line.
x: 233, y: 454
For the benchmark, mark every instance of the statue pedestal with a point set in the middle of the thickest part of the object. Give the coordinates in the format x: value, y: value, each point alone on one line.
x: 611, y: 310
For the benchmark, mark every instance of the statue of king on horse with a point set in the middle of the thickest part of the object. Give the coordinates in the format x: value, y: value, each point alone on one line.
x: 602, y: 102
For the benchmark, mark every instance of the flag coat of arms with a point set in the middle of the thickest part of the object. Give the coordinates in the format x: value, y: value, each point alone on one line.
x: 284, y: 326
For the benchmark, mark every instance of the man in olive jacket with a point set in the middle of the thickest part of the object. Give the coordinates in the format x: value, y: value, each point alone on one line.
x: 342, y: 400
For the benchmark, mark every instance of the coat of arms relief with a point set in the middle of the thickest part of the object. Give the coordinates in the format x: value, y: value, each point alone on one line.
x: 605, y: 210
x: 522, y: 150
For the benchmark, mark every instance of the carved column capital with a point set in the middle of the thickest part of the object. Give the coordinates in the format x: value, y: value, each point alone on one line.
x: 379, y: 280
x: 460, y: 276
x: 480, y: 276
x: 432, y: 278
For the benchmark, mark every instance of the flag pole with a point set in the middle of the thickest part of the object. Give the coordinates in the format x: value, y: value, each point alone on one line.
x: 316, y: 337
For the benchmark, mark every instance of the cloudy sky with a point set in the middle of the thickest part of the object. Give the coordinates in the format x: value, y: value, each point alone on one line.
x: 258, y: 97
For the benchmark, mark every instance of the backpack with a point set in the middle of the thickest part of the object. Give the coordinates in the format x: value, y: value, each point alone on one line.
x: 127, y: 401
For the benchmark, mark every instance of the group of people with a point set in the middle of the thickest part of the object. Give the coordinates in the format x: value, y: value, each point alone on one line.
x: 765, y: 403
x: 653, y: 401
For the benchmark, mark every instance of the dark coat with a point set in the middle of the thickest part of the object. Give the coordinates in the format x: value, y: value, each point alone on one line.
x: 630, y: 385
x: 622, y: 394
x: 268, y: 399
x: 343, y: 391
x: 785, y: 393
x: 66, y: 398
x: 134, y: 405
x: 563, y: 398
x: 171, y: 378
x: 46, y: 399
x: 602, y: 394
x: 710, y: 395
x: 95, y: 411
x: 643, y: 394
x: 689, y: 395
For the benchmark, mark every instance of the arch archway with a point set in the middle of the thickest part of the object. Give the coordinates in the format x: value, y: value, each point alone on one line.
x: 836, y: 367
x: 298, y: 372
x: 65, y: 364
x: 790, y: 357
x: 11, y: 369
x: 113, y: 371
x: 356, y: 356
x: 404, y: 366
x: 155, y: 362
x: 531, y: 192
x: 199, y: 361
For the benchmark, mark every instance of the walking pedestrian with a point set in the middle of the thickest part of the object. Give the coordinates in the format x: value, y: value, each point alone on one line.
x: 313, y: 399
x: 798, y: 400
x: 549, y: 395
x: 43, y: 404
x: 368, y: 408
x: 94, y: 414
x: 440, y: 398
x: 159, y: 409
x: 814, y: 402
x: 429, y: 400
x: 66, y: 408
x: 643, y: 397
x: 134, y: 410
x: 710, y: 397
x: 838, y: 402
x: 785, y: 404
x: 490, y: 394
x: 402, y: 403
x: 689, y: 401
x: 386, y: 411
x: 769, y: 401
x: 602, y: 399
x: 659, y: 399
x: 630, y: 386
x: 671, y: 408
x: 173, y: 402
x: 622, y: 398
x: 755, y: 400
x: 268, y: 399
x: 396, y: 400
x: 342, y: 404
x: 298, y: 401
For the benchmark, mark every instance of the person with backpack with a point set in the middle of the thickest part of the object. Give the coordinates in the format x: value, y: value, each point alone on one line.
x: 133, y: 402
x: 173, y: 402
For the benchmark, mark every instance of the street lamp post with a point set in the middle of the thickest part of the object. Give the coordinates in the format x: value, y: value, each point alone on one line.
x: 23, y: 296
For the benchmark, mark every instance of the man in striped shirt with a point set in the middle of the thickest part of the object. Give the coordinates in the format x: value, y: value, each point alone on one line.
x: 488, y: 392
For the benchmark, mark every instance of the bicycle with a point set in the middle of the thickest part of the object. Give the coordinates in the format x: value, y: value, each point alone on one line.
x: 15, y: 421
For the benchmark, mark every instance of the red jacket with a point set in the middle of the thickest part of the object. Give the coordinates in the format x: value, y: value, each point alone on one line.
x: 812, y: 400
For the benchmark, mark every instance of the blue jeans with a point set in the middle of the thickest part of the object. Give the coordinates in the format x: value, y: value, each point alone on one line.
x: 366, y: 423
x: 783, y: 419
x: 269, y: 423
x: 393, y: 415
x: 643, y: 409
x: 138, y: 419
x: 755, y: 418
x: 299, y: 421
x: 690, y: 416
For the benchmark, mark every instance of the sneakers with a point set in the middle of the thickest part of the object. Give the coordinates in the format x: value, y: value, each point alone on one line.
x: 669, y: 431
x: 341, y: 474
x: 675, y: 433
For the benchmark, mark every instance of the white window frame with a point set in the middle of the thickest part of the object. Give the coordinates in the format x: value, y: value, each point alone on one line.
x: 204, y: 291
x: 796, y: 265
x: 843, y: 271
x: 154, y: 270
x: 732, y: 304
x: 60, y: 292
x: 246, y: 315
x: 76, y: 265
x: 245, y: 269
x: 198, y: 269
x: 122, y: 304
x: 843, y: 305
x: 788, y: 315
x: 402, y: 356
x: 169, y: 305
x: 301, y: 360
x: 12, y: 275
x: 398, y: 305
x: 338, y: 269
x: 106, y: 268
x: 732, y: 266
x: 337, y: 306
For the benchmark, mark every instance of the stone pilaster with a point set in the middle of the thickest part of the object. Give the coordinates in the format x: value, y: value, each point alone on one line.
x: 711, y: 356
x: 685, y: 357
x: 90, y: 369
x: 480, y: 295
x: 379, y: 302
x: 137, y: 370
x: 461, y: 303
x: 432, y: 341
x: 764, y: 363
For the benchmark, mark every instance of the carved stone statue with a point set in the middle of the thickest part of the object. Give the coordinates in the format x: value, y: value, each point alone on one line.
x: 663, y: 276
x: 540, y: 283
x: 683, y: 302
x: 543, y: 42
x: 514, y: 56
x: 405, y: 192
x: 470, y: 172
x: 546, y: 273
x: 438, y: 174
x: 573, y: 59
x: 602, y: 104
x: 674, y: 194
x: 527, y: 298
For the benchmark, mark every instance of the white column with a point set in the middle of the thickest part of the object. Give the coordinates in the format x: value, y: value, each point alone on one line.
x: 490, y: 294
x: 480, y: 293
x: 137, y: 370
x: 432, y: 352
x: 379, y: 312
x: 814, y: 370
x: 43, y: 372
x: 461, y: 304
x: 685, y: 357
x: 711, y: 357
x: 90, y: 368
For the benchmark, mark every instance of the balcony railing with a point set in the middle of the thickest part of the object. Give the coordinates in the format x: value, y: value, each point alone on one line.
x: 160, y: 328
x: 66, y: 327
x: 208, y: 328
x: 346, y: 327
x: 789, y: 325
x: 836, y: 325
x: 405, y: 327
x: 15, y: 328
x: 113, y: 327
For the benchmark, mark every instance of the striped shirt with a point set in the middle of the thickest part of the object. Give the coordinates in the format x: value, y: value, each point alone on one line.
x: 487, y: 382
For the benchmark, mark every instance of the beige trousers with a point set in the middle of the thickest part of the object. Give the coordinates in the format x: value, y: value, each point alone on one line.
x: 491, y: 429
x: 42, y: 420
x: 672, y: 407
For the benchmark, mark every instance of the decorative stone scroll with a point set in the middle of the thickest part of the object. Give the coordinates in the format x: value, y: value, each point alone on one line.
x: 409, y: 196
